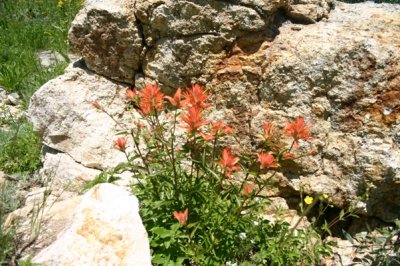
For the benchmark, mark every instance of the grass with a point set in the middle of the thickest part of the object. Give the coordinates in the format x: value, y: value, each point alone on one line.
x: 19, y: 148
x: 27, y: 27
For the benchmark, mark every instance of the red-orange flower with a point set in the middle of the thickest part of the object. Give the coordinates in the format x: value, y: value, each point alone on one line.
x: 248, y: 188
x: 229, y: 162
x: 120, y: 143
x: 181, y: 216
x: 193, y: 120
x: 196, y: 97
x: 312, y: 152
x: 151, y: 99
x: 288, y: 156
x: 268, y: 131
x: 267, y: 161
x: 218, y: 129
x: 131, y: 93
x: 96, y: 104
x: 207, y: 136
x: 176, y: 100
x: 298, y: 130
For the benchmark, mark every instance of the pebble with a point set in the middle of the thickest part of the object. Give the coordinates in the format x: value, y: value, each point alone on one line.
x: 12, y: 99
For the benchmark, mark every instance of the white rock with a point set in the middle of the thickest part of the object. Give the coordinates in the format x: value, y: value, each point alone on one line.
x: 49, y: 58
x: 106, y: 230
x: 63, y: 173
x: 13, y: 99
x: 62, y: 112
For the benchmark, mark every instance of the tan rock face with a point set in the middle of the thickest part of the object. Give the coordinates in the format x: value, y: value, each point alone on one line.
x: 114, y: 37
x: 341, y: 73
x: 106, y: 35
x: 62, y: 111
x: 106, y: 229
x: 64, y: 174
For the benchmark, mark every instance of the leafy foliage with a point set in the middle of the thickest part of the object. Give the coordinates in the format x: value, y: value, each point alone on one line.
x: 201, y: 203
x: 381, y: 247
x: 20, y: 148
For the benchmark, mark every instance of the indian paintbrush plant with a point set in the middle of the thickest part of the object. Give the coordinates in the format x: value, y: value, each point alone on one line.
x: 202, y: 202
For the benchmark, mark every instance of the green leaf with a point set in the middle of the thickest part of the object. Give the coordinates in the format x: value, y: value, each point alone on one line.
x: 161, y: 232
x: 348, y: 236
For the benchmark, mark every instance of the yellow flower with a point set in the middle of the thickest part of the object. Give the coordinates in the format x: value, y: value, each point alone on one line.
x: 308, y: 200
x: 60, y: 4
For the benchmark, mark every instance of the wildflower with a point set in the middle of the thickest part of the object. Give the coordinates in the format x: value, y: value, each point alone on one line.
x: 207, y: 137
x: 140, y: 124
x: 60, y: 4
x: 308, y: 200
x: 219, y: 128
x: 298, y: 130
x: 248, y: 188
x: 228, y: 162
x: 196, y: 97
x: 131, y: 93
x: 151, y: 99
x: 287, y: 156
x: 242, y: 235
x: 181, y: 216
x: 96, y: 104
x: 176, y: 100
x: 120, y: 143
x: 193, y: 120
x: 268, y: 131
x: 312, y: 152
x: 267, y: 161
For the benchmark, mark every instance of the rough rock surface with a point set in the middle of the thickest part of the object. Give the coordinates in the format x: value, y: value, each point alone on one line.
x: 99, y: 233
x: 106, y: 35
x: 63, y: 173
x: 342, y: 73
x: 114, y: 37
x: 62, y: 111
x: 185, y: 39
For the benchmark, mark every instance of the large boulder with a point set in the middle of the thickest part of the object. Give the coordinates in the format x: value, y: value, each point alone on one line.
x: 106, y: 35
x: 105, y: 229
x: 62, y: 111
x: 341, y: 73
x: 185, y: 38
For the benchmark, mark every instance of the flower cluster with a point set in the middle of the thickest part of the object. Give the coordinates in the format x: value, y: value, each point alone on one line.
x: 201, y: 172
x: 192, y: 103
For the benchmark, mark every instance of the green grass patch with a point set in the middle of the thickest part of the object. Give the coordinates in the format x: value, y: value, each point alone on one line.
x: 19, y: 149
x: 28, y: 27
x: 8, y: 203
